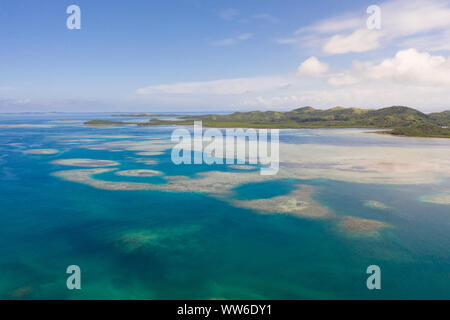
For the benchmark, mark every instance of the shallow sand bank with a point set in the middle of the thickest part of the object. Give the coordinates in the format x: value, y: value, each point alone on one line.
x: 376, y: 205
x: 41, y: 151
x: 438, y: 199
x: 299, y: 202
x: 354, y: 226
x: 85, y: 162
x: 138, y: 173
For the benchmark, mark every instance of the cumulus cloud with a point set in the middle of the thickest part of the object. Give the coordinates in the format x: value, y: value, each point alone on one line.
x: 404, y: 18
x: 412, y: 66
x: 403, y: 22
x: 406, y: 67
x: 413, y: 78
x: 377, y: 95
x: 361, y: 40
x: 312, y: 67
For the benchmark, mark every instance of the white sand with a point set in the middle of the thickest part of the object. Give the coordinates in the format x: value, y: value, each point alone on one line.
x: 138, y: 173
x: 41, y: 151
x: 85, y: 162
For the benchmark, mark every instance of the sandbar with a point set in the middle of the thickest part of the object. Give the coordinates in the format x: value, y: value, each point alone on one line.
x: 85, y: 162
x: 376, y: 205
x: 138, y: 173
x: 361, y: 227
x: 41, y: 151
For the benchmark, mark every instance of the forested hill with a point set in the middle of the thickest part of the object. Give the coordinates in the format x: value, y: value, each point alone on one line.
x: 353, y: 117
x: 402, y: 120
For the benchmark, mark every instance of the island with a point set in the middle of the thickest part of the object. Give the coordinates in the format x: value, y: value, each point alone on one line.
x: 144, y: 114
x: 398, y: 120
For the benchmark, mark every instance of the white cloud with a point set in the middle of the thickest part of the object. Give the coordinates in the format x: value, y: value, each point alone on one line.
x: 436, y: 42
x: 413, y: 78
x: 405, y: 17
x: 342, y: 79
x: 412, y: 66
x: 361, y: 40
x: 405, y: 23
x: 219, y: 87
x: 407, y: 67
x: 232, y: 40
x: 424, y: 98
x: 333, y: 25
x: 312, y: 67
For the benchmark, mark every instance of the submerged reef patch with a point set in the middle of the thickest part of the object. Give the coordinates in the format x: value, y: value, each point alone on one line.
x: 176, y: 178
x: 243, y: 167
x: 375, y: 205
x: 148, y: 147
x: 360, y: 164
x: 366, y: 164
x: 169, y: 237
x: 138, y: 173
x: 150, y: 153
x: 354, y: 226
x: 84, y: 176
x: 21, y: 292
x: 148, y: 162
x: 216, y: 184
x: 299, y: 203
x: 26, y: 126
x: 85, y: 162
x: 443, y: 198
x: 41, y: 151
x: 77, y: 141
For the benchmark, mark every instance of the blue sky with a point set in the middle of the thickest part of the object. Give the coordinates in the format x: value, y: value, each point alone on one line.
x: 206, y: 55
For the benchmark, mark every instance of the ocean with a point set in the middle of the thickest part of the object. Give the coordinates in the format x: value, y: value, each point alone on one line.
x: 177, y: 240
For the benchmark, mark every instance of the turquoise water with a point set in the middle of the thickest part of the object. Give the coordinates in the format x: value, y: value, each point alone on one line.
x: 197, y: 246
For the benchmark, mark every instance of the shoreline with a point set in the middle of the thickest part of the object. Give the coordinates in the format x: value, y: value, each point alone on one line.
x: 386, y: 133
x: 382, y: 131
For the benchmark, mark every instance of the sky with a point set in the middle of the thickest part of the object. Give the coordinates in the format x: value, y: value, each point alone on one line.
x: 223, y: 55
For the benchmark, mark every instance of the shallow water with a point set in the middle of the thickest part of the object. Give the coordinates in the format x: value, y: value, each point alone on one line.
x: 171, y: 245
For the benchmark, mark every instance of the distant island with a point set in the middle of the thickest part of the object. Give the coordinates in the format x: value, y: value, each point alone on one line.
x: 401, y: 121
x: 144, y: 114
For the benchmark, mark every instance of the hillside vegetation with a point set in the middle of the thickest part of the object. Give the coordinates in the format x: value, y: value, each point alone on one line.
x: 402, y: 120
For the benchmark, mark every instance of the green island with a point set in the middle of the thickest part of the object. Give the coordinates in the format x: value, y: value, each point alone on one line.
x: 144, y: 114
x: 401, y: 121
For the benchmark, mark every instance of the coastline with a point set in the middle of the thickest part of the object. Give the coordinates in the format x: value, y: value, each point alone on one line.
x: 396, y: 120
x: 383, y: 131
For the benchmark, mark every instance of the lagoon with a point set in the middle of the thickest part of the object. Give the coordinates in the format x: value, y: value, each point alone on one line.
x: 342, y: 200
